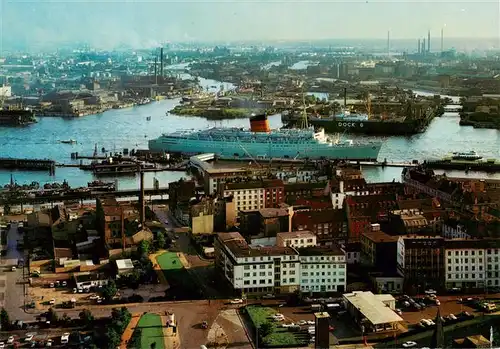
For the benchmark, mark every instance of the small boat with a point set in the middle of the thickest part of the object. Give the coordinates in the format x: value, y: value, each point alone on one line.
x: 69, y: 141
x: 148, y: 118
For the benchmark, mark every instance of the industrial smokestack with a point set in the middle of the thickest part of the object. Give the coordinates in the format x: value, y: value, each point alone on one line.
x: 156, y: 73
x: 388, y: 43
x: 419, y: 47
x: 142, y: 200
x: 345, y: 97
x: 423, y: 46
x: 161, y: 62
x: 429, y: 41
x: 442, y: 40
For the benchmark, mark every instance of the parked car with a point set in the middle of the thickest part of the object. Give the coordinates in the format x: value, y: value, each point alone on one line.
x: 236, y: 301
x: 409, y: 344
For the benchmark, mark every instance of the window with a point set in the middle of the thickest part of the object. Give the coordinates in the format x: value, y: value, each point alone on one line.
x: 246, y: 267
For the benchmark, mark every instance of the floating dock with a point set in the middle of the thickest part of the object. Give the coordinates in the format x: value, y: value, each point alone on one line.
x: 28, y: 164
x: 490, y: 165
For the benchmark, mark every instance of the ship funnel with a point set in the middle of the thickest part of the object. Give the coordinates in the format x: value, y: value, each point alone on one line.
x: 259, y: 123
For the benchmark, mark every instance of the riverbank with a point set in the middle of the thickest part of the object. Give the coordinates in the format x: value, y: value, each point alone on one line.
x: 95, y: 109
x: 212, y: 113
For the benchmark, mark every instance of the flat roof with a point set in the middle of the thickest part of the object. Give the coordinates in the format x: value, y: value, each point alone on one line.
x: 296, y: 234
x: 124, y: 264
x: 372, y: 307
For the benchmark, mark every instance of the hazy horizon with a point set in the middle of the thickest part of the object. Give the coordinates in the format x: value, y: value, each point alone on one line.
x: 142, y: 24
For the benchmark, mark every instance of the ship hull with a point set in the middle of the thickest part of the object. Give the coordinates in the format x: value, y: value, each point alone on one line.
x: 232, y: 150
x: 368, y: 127
x: 16, y: 117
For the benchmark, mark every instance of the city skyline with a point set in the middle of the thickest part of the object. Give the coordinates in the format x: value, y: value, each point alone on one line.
x: 142, y: 24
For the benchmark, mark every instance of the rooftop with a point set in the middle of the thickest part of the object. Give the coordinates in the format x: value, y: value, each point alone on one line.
x: 380, y: 236
x: 321, y: 251
x: 235, y: 243
x: 273, y: 212
x: 297, y: 234
x: 124, y: 264
x: 372, y: 306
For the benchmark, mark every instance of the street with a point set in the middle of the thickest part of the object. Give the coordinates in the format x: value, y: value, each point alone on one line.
x: 12, y: 287
x: 200, y: 270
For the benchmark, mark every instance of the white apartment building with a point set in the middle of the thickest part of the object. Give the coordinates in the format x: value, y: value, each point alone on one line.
x: 297, y: 239
x: 322, y: 270
x: 254, y: 270
x: 278, y: 269
x: 471, y: 263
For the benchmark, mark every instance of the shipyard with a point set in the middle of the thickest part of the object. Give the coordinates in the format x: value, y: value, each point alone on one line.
x: 293, y: 176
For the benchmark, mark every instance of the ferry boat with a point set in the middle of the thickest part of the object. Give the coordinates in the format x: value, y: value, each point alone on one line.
x: 262, y: 142
x: 469, y: 155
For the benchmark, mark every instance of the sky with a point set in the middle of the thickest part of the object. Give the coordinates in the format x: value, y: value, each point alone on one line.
x: 107, y: 24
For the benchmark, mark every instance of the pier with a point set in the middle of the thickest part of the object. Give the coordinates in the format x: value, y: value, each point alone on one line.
x: 28, y: 164
x: 11, y: 199
x: 384, y: 163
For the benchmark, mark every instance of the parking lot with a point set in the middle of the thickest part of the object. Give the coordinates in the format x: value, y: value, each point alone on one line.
x: 42, y: 296
x: 448, y: 305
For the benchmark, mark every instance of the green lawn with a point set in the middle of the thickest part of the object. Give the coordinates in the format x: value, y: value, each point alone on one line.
x: 169, y: 261
x: 152, y: 331
x: 279, y: 336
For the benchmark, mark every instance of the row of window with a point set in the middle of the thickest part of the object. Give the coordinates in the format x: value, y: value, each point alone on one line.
x: 317, y: 266
x: 322, y: 273
x: 472, y: 253
x: 305, y: 281
x: 323, y: 258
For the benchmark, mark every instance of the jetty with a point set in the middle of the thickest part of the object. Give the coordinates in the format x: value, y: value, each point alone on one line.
x: 28, y: 164
x: 8, y: 198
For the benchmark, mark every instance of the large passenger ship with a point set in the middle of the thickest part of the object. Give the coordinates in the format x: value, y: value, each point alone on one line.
x: 262, y: 142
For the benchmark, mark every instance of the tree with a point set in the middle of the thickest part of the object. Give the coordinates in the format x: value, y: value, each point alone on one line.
x: 113, y: 338
x: 87, y: 318
x: 110, y: 290
x: 266, y: 329
x: 52, y: 316
x: 66, y: 319
x: 134, y: 278
x: 143, y: 248
x: 153, y: 345
x: 4, y: 319
x: 161, y: 241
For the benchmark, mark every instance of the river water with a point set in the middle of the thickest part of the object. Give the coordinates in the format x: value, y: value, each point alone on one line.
x: 128, y: 128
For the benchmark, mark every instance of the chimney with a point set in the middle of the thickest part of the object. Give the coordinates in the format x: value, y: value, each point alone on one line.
x: 141, y: 198
x: 429, y: 41
x: 156, y: 72
x: 419, y: 47
x: 122, y: 218
x: 442, y: 40
x: 423, y: 46
x: 161, y: 62
x: 388, y: 43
